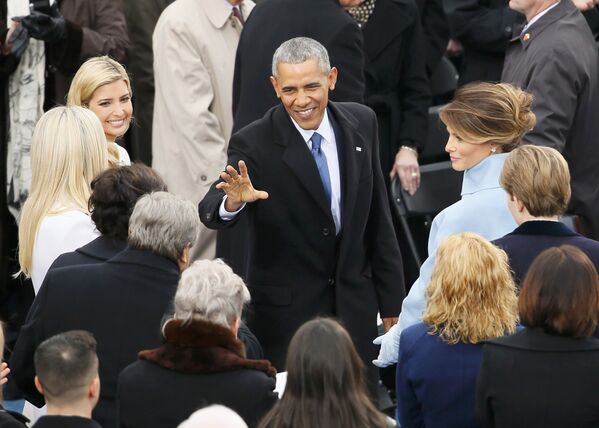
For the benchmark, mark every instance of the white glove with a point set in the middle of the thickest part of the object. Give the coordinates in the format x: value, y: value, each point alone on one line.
x: 389, y: 347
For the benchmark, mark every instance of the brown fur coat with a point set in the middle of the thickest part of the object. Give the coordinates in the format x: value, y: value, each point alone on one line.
x: 202, y: 347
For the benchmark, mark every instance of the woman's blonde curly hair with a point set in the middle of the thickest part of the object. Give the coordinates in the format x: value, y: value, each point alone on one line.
x: 472, y: 295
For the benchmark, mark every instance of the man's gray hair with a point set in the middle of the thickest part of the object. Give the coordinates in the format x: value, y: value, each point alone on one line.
x: 209, y: 290
x: 163, y: 224
x: 299, y: 50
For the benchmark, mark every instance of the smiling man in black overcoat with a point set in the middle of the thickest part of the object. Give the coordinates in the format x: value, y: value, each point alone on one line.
x: 321, y: 240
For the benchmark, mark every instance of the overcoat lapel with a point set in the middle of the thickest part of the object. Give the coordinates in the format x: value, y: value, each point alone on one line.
x: 350, y: 148
x: 298, y: 158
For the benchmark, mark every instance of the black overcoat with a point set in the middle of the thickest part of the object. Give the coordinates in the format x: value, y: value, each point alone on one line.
x: 298, y: 268
x: 535, y: 380
x: 396, y: 84
x: 121, y: 302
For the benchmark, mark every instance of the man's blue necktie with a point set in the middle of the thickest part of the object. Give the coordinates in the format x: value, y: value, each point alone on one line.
x: 321, y: 163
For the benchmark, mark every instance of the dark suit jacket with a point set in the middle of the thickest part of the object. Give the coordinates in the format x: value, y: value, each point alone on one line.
x: 97, y: 251
x: 436, y: 381
x: 436, y: 31
x: 532, y: 379
x: 273, y: 22
x: 10, y: 419
x: 561, y: 54
x: 531, y: 238
x: 298, y: 268
x: 396, y: 84
x: 484, y: 27
x: 121, y: 302
x: 102, y: 249
x: 65, y: 422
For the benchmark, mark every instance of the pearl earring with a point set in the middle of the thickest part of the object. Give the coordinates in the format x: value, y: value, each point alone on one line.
x: 493, y: 149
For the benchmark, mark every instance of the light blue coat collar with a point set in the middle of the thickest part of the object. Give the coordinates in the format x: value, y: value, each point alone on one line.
x: 484, y: 175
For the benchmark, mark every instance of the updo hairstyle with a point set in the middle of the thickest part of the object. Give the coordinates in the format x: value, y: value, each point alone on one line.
x: 496, y: 113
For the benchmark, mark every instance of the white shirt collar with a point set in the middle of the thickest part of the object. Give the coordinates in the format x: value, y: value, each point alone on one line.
x: 324, y: 129
x: 539, y: 16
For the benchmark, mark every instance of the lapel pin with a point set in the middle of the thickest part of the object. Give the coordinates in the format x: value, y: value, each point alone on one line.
x: 526, y: 37
x: 358, y: 149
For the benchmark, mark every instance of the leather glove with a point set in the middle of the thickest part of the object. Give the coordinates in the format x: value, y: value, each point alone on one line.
x: 389, y: 347
x: 49, y: 28
x: 18, y: 41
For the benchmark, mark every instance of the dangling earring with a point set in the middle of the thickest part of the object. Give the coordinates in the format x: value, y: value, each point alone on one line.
x: 493, y: 149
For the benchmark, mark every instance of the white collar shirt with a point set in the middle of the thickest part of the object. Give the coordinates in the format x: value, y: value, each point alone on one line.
x: 538, y: 16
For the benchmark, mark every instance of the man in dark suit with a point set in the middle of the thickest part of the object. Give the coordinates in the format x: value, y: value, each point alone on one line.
x: 484, y: 27
x: 554, y: 57
x: 66, y: 368
x: 537, y: 181
x: 270, y: 24
x: 121, y: 302
x: 321, y: 239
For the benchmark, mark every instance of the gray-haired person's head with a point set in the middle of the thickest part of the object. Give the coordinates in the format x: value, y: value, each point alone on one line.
x: 164, y: 224
x: 299, y: 50
x: 209, y: 290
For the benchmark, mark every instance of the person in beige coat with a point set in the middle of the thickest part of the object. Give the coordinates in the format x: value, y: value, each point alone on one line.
x: 194, y: 57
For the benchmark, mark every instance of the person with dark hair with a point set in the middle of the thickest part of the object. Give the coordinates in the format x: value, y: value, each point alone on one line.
x: 325, y: 383
x: 537, y: 181
x: 272, y: 23
x: 121, y: 301
x: 322, y: 243
x: 66, y: 367
x: 114, y: 194
x: 547, y: 375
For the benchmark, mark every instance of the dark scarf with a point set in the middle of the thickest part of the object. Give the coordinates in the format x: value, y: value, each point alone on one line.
x: 202, y: 347
x: 361, y: 13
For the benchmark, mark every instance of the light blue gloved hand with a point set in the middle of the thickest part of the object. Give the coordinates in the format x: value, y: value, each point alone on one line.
x: 389, y: 347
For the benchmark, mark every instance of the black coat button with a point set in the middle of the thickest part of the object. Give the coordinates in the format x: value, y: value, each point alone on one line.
x: 326, y: 231
x: 331, y: 281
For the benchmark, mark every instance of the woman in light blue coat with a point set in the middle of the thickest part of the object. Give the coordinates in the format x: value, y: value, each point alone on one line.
x: 485, y: 122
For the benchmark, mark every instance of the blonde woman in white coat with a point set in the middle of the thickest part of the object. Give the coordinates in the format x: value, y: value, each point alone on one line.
x: 68, y: 150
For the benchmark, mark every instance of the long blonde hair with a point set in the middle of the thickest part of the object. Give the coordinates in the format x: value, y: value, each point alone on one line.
x: 92, y: 74
x: 68, y: 149
x: 472, y: 295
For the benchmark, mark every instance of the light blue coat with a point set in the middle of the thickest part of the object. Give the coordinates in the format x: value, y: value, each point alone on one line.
x: 482, y: 210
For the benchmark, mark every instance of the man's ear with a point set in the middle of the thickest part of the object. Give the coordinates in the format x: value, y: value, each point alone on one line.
x: 94, y: 388
x: 38, y: 385
x: 184, y: 259
x: 275, y: 85
x: 332, y: 78
x: 519, y: 204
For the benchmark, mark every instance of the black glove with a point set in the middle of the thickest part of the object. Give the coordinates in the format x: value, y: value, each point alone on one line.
x: 49, y: 28
x: 18, y: 41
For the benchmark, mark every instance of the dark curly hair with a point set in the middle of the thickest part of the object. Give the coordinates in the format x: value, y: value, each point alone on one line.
x: 114, y: 194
